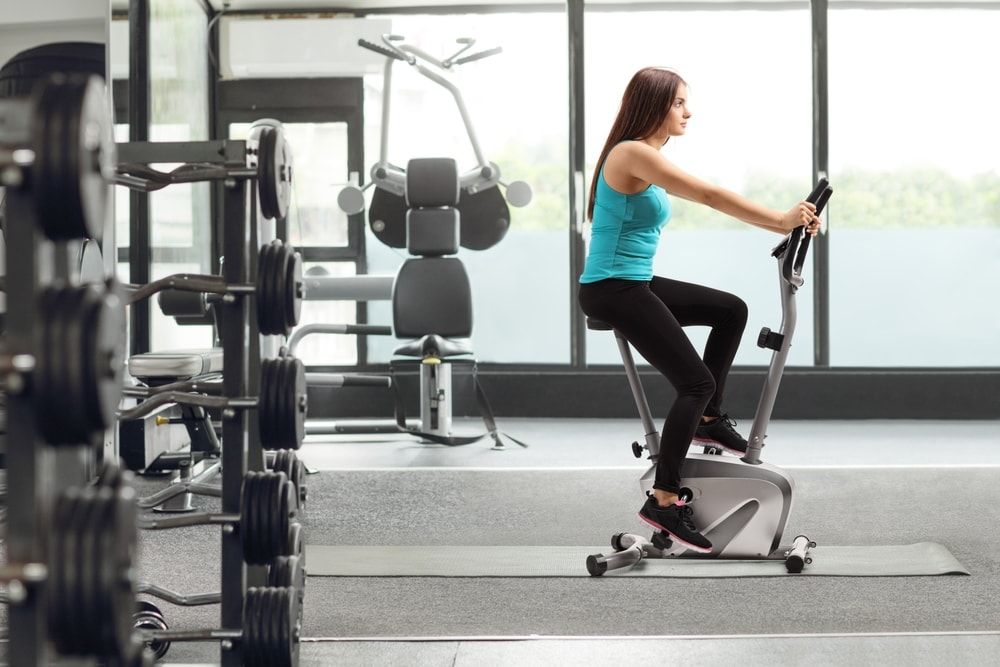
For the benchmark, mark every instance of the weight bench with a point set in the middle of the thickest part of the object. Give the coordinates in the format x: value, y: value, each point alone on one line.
x: 147, y: 447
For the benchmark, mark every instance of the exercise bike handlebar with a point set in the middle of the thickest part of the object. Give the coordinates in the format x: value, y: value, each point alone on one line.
x: 793, y: 249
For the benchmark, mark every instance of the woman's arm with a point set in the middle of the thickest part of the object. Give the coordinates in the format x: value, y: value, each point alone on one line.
x: 644, y: 163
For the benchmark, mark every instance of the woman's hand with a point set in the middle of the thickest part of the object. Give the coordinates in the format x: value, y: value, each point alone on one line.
x: 803, y: 213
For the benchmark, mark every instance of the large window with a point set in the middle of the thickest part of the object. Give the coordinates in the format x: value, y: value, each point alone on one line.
x: 181, y: 214
x: 749, y: 83
x: 915, y: 231
x: 518, y: 102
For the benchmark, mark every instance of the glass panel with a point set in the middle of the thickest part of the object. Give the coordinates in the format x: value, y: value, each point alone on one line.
x: 328, y: 349
x: 180, y: 214
x: 520, y: 286
x: 320, y: 154
x: 747, y: 133
x: 915, y: 230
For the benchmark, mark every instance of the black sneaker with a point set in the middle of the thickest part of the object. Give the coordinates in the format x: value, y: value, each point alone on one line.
x: 675, y: 521
x: 721, y: 433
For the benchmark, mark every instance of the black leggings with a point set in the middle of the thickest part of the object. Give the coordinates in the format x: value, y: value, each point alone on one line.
x: 650, y: 316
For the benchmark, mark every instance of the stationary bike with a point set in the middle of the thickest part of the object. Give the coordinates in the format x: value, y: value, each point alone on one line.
x: 740, y: 504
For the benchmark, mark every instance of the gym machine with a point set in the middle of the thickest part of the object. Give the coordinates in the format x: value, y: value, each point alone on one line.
x: 740, y: 504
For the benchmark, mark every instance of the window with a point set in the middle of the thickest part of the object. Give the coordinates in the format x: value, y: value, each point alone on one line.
x: 915, y: 230
x: 749, y: 83
x: 518, y: 103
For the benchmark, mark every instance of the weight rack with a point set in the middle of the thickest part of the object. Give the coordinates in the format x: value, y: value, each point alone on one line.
x: 239, y: 331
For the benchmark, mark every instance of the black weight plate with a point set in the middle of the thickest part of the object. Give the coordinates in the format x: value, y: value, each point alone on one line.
x: 277, y: 513
x: 86, y: 570
x: 247, y: 509
x: 273, y: 625
x: 267, y: 176
x: 279, y: 288
x: 106, y: 627
x: 107, y: 339
x: 296, y: 546
x: 44, y: 376
x: 71, y: 191
x: 263, y: 260
x: 250, y: 645
x: 283, y: 514
x: 299, y: 406
x: 269, y: 405
x: 277, y: 404
x: 267, y: 626
x: 265, y: 503
x: 288, y: 572
x: 58, y: 607
x: 294, y: 290
x: 284, y: 170
x: 265, y: 271
x: 299, y: 477
x: 387, y: 218
x: 76, y: 389
x: 287, y: 644
x: 123, y: 547
x: 484, y: 218
x: 263, y: 426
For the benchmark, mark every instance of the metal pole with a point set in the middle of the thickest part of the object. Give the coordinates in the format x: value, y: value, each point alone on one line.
x: 139, y: 250
x: 821, y: 168
x: 577, y: 179
x: 235, y: 332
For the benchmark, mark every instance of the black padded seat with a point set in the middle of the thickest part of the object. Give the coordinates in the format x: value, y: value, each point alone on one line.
x: 178, y: 364
x: 598, y: 325
x: 435, y: 346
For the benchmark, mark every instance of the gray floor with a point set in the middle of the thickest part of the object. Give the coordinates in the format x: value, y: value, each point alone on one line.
x: 474, y: 495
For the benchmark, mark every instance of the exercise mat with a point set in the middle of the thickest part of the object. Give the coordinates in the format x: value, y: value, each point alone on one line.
x: 920, y: 559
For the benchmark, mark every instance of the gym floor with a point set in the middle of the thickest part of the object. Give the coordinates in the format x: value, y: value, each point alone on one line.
x: 858, y: 483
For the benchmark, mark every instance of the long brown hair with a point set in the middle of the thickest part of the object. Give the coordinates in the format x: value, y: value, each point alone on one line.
x: 645, y: 105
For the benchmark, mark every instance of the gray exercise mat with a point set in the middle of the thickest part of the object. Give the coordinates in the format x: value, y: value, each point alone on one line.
x: 923, y: 558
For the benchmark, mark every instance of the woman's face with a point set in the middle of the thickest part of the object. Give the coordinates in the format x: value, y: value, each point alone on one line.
x: 675, y: 123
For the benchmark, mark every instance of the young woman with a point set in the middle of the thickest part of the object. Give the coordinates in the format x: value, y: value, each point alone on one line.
x: 629, y: 207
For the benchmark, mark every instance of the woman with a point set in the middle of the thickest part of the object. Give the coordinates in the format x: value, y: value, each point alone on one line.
x: 629, y: 207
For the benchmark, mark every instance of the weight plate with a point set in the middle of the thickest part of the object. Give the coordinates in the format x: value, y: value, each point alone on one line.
x: 294, y: 290
x: 74, y: 158
x: 264, y: 424
x: 267, y: 175
x: 283, y: 513
x: 122, y: 544
x: 484, y: 218
x: 274, y: 626
x: 285, y: 169
x: 246, y: 516
x: 288, y: 571
x: 296, y: 545
x: 105, y: 351
x: 73, y: 363
x: 299, y: 404
x: 269, y: 405
x: 263, y: 258
x: 281, y: 389
x: 387, y: 218
x: 105, y: 626
x: 279, y: 289
x: 84, y: 552
x: 265, y: 319
x: 288, y: 620
x: 251, y: 643
x: 299, y: 477
x: 58, y: 609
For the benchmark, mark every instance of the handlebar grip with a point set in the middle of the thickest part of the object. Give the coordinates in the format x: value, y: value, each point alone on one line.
x: 479, y: 56
x: 364, y: 43
x: 817, y: 192
x: 823, y: 198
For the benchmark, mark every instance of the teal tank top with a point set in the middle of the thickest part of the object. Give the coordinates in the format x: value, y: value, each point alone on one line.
x: 625, y: 233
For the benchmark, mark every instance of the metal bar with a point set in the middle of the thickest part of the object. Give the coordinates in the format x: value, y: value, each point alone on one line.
x: 143, y: 151
x: 821, y: 168
x: 234, y: 326
x: 25, y: 466
x: 173, y: 597
x: 577, y: 182
x: 139, y: 251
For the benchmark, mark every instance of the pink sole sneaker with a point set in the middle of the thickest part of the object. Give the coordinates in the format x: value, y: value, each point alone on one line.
x: 688, y: 545
x: 705, y: 442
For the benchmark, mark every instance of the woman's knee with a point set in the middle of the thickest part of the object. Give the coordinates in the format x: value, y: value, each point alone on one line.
x: 701, y: 389
x: 738, y: 311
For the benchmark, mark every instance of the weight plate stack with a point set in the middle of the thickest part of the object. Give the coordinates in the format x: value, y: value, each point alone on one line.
x: 149, y: 617
x: 77, y: 383
x: 74, y: 154
x: 287, y: 462
x: 289, y: 571
x: 266, y: 512
x: 92, y: 551
x: 271, y: 628
x: 282, y: 403
x: 280, y: 288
